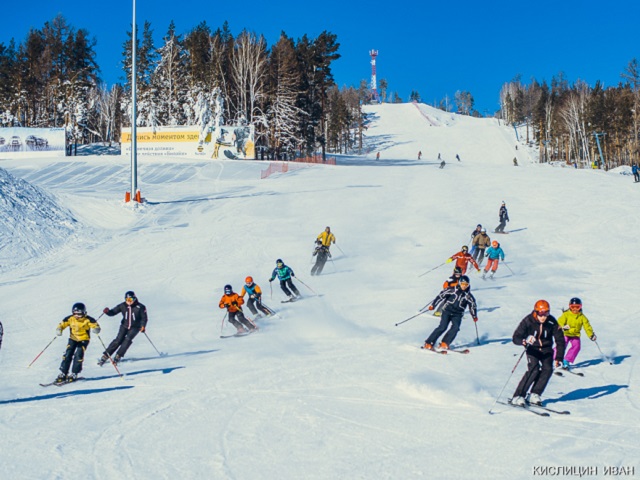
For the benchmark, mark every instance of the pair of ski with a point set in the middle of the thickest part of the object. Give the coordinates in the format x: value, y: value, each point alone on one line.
x: 561, y: 372
x: 242, y: 334
x: 291, y: 300
x: 444, y: 352
x: 60, y: 384
x: 539, y: 410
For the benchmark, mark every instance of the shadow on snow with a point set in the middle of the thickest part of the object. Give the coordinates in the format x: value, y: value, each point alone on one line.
x: 65, y: 393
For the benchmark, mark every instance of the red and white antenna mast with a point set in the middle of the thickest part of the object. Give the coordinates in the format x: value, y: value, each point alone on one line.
x: 374, y: 82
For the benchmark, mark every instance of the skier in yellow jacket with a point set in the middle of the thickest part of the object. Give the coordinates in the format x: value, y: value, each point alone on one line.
x: 79, y: 324
x: 327, y: 238
x: 571, y: 322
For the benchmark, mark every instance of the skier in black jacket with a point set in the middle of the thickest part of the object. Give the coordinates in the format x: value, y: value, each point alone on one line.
x: 134, y: 321
x: 322, y: 254
x: 504, y: 218
x: 455, y: 303
x: 537, y: 332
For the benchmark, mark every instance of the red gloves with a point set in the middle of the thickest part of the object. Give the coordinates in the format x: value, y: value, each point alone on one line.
x: 475, y: 319
x: 430, y: 307
x: 105, y: 310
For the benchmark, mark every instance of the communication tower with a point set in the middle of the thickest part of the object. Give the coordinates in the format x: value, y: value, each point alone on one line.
x: 374, y: 82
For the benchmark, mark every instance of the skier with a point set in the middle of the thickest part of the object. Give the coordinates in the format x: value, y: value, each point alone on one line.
x: 1, y: 333
x: 515, y: 162
x: 457, y: 157
x: 442, y: 164
x: 473, y: 235
x: 455, y: 303
x: 636, y: 174
x: 571, y: 321
x: 232, y: 302
x: 537, y: 332
x: 448, y: 285
x: 284, y: 274
x: 494, y: 252
x: 378, y: 156
x: 479, y: 244
x: 79, y: 324
x: 419, y: 154
x: 327, y: 238
x: 504, y: 218
x: 134, y: 321
x: 322, y: 254
x: 255, y: 298
x: 462, y: 258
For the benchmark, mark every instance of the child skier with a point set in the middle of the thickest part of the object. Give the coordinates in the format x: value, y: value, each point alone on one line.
x: 448, y: 286
x: 322, y: 254
x: 571, y: 322
x: 255, y: 298
x: 79, y: 324
x: 494, y: 252
x: 284, y: 274
x: 232, y: 301
x: 455, y: 303
x: 504, y: 218
x: 462, y: 258
x: 537, y: 332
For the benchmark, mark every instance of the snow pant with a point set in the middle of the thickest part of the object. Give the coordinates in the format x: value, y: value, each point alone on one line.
x: 74, y: 352
x: 319, y: 265
x: 477, y: 254
x: 572, y: 349
x: 539, y: 371
x: 255, y: 304
x: 122, y: 342
x: 288, y: 283
x: 492, y: 264
x: 238, y: 320
x: 500, y: 228
x: 448, y: 316
x: 636, y: 176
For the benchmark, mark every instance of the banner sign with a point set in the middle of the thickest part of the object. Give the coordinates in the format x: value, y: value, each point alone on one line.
x: 25, y: 141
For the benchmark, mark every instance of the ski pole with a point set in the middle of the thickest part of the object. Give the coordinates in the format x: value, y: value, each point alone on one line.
x: 38, y: 356
x: 108, y: 355
x: 270, y: 291
x: 222, y: 324
x: 507, y: 265
x: 477, y: 336
x: 510, y: 375
x: 406, y: 320
x: 312, y: 291
x: 340, y: 249
x: 431, y: 269
x: 145, y: 334
x: 605, y: 357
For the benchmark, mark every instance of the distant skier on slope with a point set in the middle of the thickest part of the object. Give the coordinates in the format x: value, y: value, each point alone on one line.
x: 504, y: 218
x: 479, y: 244
x: 538, y: 331
x: 322, y: 254
x: 571, y: 321
x: 455, y: 303
x: 1, y: 333
x: 419, y: 154
x: 134, y: 321
x: 494, y: 252
x: 232, y: 302
x: 442, y: 164
x: 462, y: 258
x: 79, y: 324
x: 255, y: 298
x: 284, y: 274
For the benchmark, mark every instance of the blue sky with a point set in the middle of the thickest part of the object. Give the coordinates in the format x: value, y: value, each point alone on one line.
x: 434, y: 48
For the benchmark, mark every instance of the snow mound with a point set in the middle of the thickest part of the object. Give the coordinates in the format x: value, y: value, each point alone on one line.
x: 31, y: 224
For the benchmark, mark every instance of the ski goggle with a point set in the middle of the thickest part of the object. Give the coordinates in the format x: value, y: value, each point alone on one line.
x: 542, y: 313
x: 464, y: 284
x: 575, y: 307
x: 130, y: 299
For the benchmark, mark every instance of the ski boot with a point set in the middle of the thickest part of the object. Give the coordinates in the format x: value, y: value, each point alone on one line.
x: 117, y: 359
x: 443, y: 346
x: 518, y: 401
x: 103, y: 360
x: 427, y: 346
x: 534, y: 399
x: 62, y: 378
x: 72, y: 378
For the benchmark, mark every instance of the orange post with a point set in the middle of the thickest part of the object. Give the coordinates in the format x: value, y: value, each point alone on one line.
x: 127, y: 197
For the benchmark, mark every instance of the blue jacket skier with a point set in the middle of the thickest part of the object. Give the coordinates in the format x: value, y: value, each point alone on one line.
x: 284, y: 274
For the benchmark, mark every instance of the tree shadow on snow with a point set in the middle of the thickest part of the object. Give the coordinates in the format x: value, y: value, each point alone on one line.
x: 65, y: 393
x: 168, y: 355
x: 595, y: 361
x: 588, y: 393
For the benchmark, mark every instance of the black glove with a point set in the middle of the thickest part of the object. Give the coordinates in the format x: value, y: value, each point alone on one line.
x: 234, y: 303
x: 227, y: 305
x: 270, y: 280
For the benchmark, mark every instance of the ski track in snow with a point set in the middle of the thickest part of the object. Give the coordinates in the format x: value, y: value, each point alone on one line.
x: 329, y: 388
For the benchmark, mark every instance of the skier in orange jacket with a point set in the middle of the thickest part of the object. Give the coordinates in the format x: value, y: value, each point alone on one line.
x: 232, y: 301
x: 462, y: 258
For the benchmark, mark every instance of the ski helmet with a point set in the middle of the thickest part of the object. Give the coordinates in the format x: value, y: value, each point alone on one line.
x: 79, y: 309
x: 483, y: 230
x: 478, y: 226
x: 575, y: 301
x: 248, y: 280
x: 457, y: 271
x: 130, y: 294
x: 464, y: 279
x: 495, y: 244
x: 465, y: 248
x: 228, y: 289
x: 541, y: 307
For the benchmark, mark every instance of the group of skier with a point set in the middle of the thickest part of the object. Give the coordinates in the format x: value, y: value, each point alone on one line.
x: 548, y: 342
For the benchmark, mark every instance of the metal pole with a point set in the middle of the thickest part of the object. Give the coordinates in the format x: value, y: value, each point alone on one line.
x: 134, y: 139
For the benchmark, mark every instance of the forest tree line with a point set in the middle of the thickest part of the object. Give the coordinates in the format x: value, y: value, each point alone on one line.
x: 576, y: 123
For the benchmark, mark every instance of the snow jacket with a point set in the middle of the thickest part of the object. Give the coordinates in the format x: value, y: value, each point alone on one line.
x: 481, y: 241
x: 227, y: 301
x: 253, y: 290
x: 134, y: 316
x: 327, y: 238
x: 503, y: 214
x: 322, y: 252
x: 450, y: 282
x: 575, y: 322
x: 545, y: 334
x: 634, y: 169
x: 475, y: 233
x: 457, y: 300
x: 284, y: 273
x: 462, y: 259
x: 79, y: 327
x: 494, y: 253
